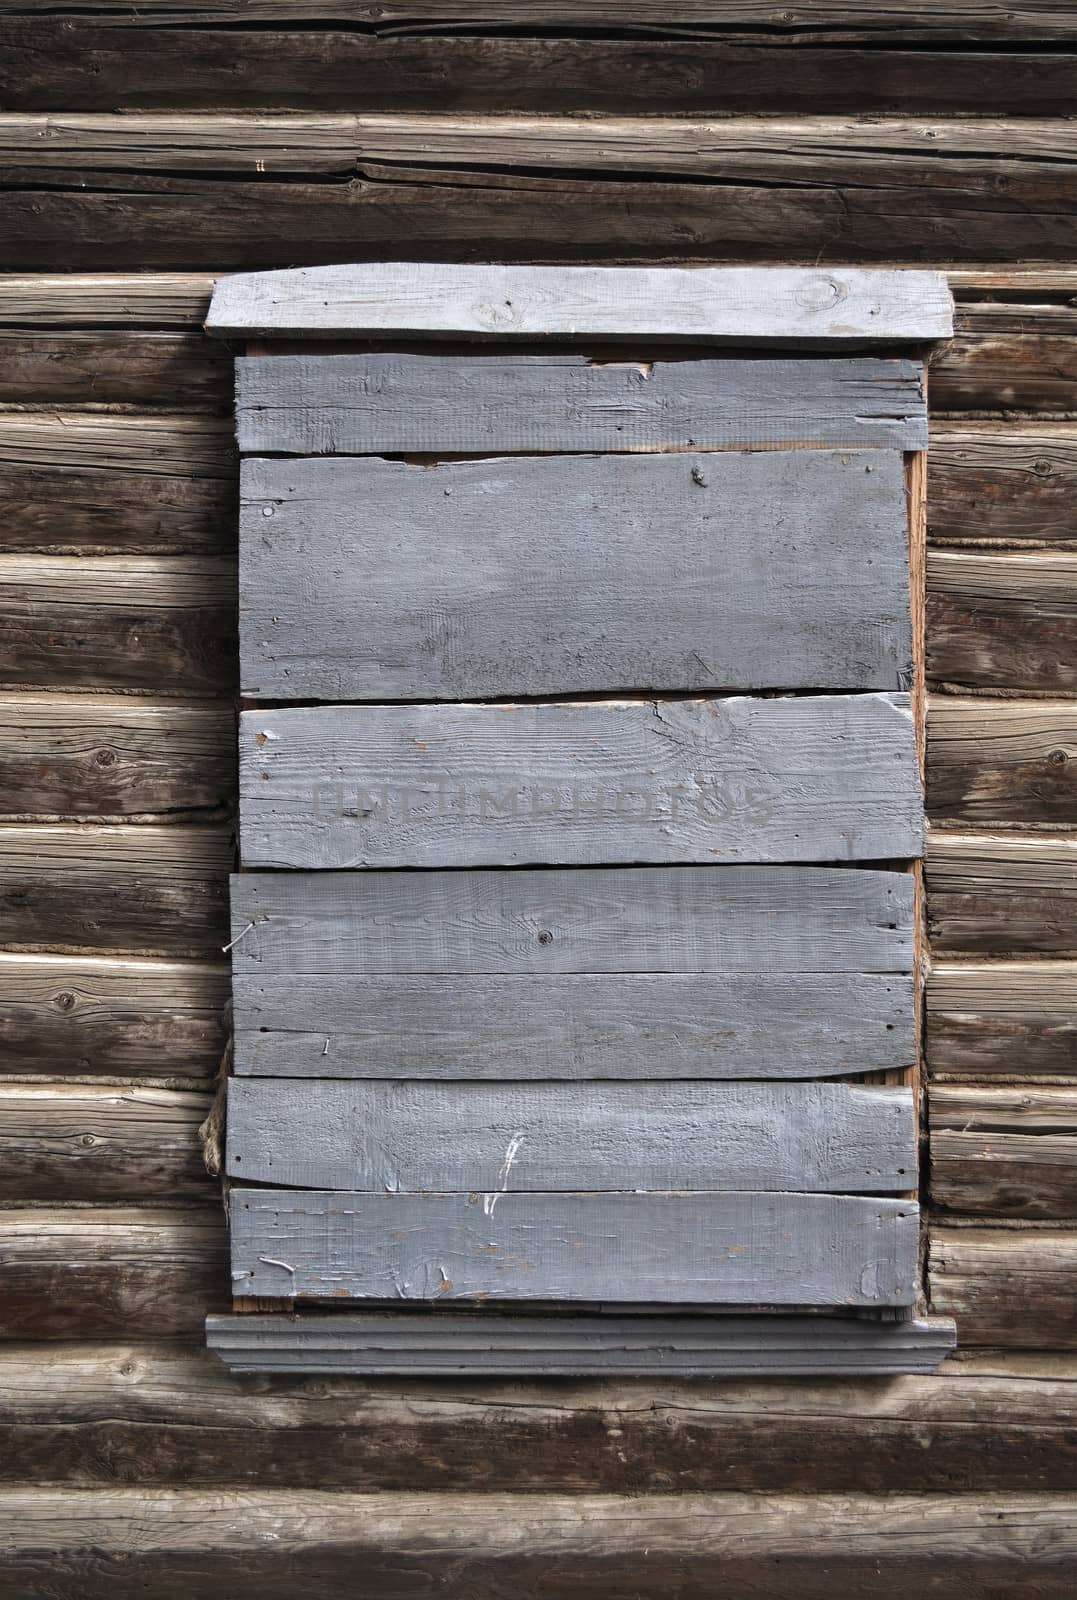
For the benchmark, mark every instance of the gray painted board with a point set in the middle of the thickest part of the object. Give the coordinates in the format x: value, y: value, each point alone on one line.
x: 502, y: 402
x: 713, y: 1249
x: 497, y: 1343
x: 806, y: 778
x: 640, y: 919
x: 363, y: 578
x: 409, y: 1138
x: 752, y: 305
x: 605, y: 1025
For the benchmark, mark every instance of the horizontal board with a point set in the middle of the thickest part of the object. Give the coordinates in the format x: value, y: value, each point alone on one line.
x: 1003, y: 763
x: 61, y: 511
x: 179, y: 371
x: 800, y: 779
x: 123, y: 1543
x: 1008, y: 358
x: 997, y: 895
x: 155, y: 1412
x: 356, y: 404
x: 374, y: 579
x: 713, y: 1249
x: 103, y: 1016
x: 616, y: 920
x: 1007, y: 1287
x: 737, y: 304
x: 1004, y: 1152
x: 444, y: 1343
x: 1002, y: 1020
x: 409, y: 1138
x: 90, y: 1142
x: 604, y: 1025
x: 999, y: 621
x: 156, y: 445
x: 1003, y: 481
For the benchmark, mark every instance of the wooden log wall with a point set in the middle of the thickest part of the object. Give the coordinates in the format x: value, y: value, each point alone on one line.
x: 143, y: 150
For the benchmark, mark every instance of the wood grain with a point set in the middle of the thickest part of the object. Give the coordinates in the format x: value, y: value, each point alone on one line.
x: 1003, y: 482
x: 1002, y: 1020
x: 676, y: 919
x: 408, y: 1138
x: 104, y: 1016
x: 711, y: 549
x: 1008, y: 358
x: 806, y: 778
x: 1007, y: 1287
x: 1001, y: 763
x: 997, y: 895
x: 1004, y: 1152
x: 177, y: 371
x: 1003, y: 621
x: 712, y: 1249
x: 500, y: 401
x: 604, y: 1025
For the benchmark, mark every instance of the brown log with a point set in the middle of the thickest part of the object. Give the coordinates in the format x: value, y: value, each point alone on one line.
x: 1004, y: 482
x: 1014, y: 1020
x: 103, y: 1016
x: 998, y: 895
x: 114, y: 757
x: 1008, y: 358
x: 113, y: 511
x: 110, y: 1272
x: 85, y: 889
x: 999, y: 621
x: 1004, y: 1152
x: 1001, y: 763
x: 124, y: 300
x: 153, y: 1414
x: 90, y: 1142
x: 1008, y: 1287
x: 178, y: 371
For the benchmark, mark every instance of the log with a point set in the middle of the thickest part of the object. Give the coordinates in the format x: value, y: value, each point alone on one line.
x: 1003, y: 482
x: 1008, y: 1287
x: 178, y: 371
x: 1007, y: 1020
x: 175, y: 1543
x: 999, y: 763
x: 116, y: 757
x: 1002, y: 621
x: 148, y: 890
x: 1004, y: 1152
x: 154, y: 1414
x: 997, y: 895
x: 157, y: 445
x: 118, y: 622
x: 103, y: 1016
x: 124, y: 300
x: 1008, y: 358
x: 88, y: 1142
x: 109, y: 1272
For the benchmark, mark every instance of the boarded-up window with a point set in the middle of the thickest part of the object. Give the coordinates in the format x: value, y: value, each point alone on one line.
x: 575, y: 938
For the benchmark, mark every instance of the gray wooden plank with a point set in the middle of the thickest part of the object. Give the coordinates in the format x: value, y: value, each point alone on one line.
x: 804, y: 778
x: 363, y: 578
x: 641, y: 919
x: 753, y: 305
x: 502, y: 402
x: 695, y: 1249
x: 601, y: 1025
x: 409, y: 1138
x: 488, y: 1343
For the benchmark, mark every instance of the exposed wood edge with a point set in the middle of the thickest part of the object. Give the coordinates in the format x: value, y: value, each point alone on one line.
x: 488, y: 1343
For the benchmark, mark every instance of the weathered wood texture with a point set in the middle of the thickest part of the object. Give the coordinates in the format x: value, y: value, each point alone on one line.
x: 175, y: 1543
x: 443, y: 1344
x: 606, y: 920
x: 105, y: 1017
x: 358, y: 404
x: 151, y: 1414
x: 155, y: 444
x: 177, y: 371
x: 1004, y: 1152
x: 1007, y: 1287
x: 110, y: 1272
x: 992, y: 895
x: 806, y: 778
x: 1003, y: 621
x: 219, y: 192
x: 68, y: 755
x: 1014, y: 1020
x: 712, y: 1249
x: 1001, y: 763
x: 712, y: 551
x: 89, y: 1142
x: 149, y: 890
x: 1003, y: 482
x: 119, y: 622
x: 118, y: 63
x: 775, y: 306
x: 1008, y: 358
x: 407, y: 1138
x: 607, y: 1025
